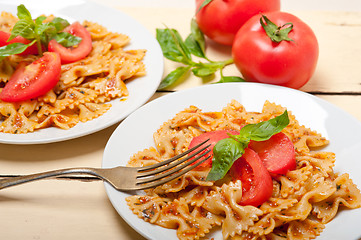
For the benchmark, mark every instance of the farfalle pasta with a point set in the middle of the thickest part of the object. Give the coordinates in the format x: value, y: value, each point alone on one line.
x: 84, y: 89
x: 302, y: 202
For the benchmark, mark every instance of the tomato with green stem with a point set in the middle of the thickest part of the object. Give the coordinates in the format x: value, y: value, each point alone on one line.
x: 276, y: 48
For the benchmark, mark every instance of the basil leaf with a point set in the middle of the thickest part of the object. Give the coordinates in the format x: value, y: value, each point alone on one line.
x: 195, y: 41
x: 204, y: 71
x: 39, y: 20
x: 23, y: 13
x: 225, y: 152
x: 23, y: 28
x: 67, y: 39
x: 173, y: 46
x: 227, y: 79
x: 59, y: 24
x: 264, y: 130
x: 172, y: 77
x: 194, y: 47
x: 14, y: 48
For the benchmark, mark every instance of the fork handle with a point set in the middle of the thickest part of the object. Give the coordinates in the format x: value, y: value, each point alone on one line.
x: 8, y: 182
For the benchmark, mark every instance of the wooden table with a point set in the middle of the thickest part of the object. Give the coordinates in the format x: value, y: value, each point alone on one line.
x: 80, y: 209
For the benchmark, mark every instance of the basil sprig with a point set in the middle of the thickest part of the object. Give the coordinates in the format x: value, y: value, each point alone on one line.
x: 177, y: 50
x: 228, y: 150
x: 38, y: 32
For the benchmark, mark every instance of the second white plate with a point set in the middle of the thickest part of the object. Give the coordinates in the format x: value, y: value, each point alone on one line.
x: 135, y: 133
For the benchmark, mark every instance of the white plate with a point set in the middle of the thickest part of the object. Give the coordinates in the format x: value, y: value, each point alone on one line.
x: 140, y: 90
x: 136, y: 131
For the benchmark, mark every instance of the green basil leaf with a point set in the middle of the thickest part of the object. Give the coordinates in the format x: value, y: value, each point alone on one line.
x: 194, y: 47
x: 173, y: 46
x: 227, y: 79
x: 225, y: 152
x: 23, y: 28
x: 39, y: 20
x: 198, y: 35
x: 23, y: 13
x: 59, y: 24
x: 14, y: 48
x: 204, y: 71
x: 173, y: 76
x: 67, y: 39
x: 264, y: 130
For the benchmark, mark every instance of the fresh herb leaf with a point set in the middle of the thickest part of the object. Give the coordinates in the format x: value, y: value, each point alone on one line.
x: 195, y: 41
x: 14, y: 48
x: 24, y: 13
x: 194, y: 47
x: 173, y: 46
x: 23, y: 28
x: 173, y: 76
x: 204, y: 71
x: 177, y: 50
x: 225, y: 152
x: 274, y: 32
x: 67, y: 39
x: 59, y: 24
x: 38, y: 32
x: 264, y: 130
x: 228, y: 150
x: 227, y: 79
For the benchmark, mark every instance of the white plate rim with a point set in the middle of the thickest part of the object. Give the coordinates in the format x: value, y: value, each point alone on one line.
x: 343, y: 225
x: 140, y: 90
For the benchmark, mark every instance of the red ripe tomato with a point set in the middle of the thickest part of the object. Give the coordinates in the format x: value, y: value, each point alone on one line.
x: 220, y: 20
x: 33, y: 80
x: 213, y: 137
x: 276, y: 153
x: 4, y: 36
x: 287, y: 63
x: 257, y: 185
x: 74, y: 53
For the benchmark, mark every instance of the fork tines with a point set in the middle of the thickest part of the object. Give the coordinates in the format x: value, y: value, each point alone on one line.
x: 162, y: 172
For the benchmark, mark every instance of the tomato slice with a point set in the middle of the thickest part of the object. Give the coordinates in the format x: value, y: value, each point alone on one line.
x: 33, y: 80
x: 213, y: 137
x: 4, y: 36
x: 74, y: 53
x: 277, y: 153
x: 257, y: 186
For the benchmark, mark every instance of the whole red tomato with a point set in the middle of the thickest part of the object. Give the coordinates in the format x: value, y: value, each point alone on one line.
x: 289, y: 63
x: 220, y: 20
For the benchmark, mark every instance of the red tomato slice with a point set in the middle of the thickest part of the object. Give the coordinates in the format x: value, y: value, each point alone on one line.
x: 33, y: 80
x: 75, y: 53
x: 277, y: 153
x: 213, y: 137
x: 4, y: 36
x: 257, y: 183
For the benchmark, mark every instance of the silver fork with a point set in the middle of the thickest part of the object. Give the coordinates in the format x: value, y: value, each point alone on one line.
x: 128, y: 178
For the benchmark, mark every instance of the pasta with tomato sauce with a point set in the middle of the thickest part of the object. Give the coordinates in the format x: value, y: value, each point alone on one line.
x: 302, y: 202
x: 85, y: 86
